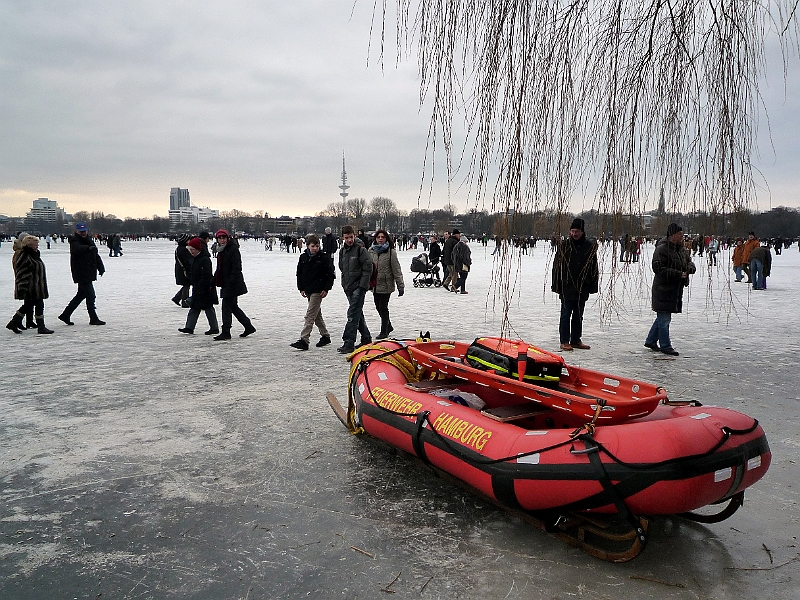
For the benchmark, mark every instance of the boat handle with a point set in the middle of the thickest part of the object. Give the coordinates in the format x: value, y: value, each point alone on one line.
x: 584, y: 451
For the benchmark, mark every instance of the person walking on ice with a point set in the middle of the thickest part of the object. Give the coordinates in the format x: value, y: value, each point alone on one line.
x: 30, y: 284
x: 230, y: 280
x: 85, y: 264
x: 314, y: 280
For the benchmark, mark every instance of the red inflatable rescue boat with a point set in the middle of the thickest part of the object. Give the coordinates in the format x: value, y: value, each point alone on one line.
x: 547, y: 453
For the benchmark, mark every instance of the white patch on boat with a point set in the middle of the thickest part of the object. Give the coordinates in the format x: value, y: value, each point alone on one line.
x: 754, y: 463
x: 701, y: 416
x: 382, y: 376
x: 635, y: 388
x: 361, y: 388
x: 536, y: 433
x: 531, y: 459
x: 443, y: 403
x: 723, y: 474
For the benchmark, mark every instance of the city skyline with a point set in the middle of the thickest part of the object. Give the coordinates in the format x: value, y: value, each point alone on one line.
x: 250, y: 107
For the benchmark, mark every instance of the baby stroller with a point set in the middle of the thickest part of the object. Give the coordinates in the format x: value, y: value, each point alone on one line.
x: 427, y: 273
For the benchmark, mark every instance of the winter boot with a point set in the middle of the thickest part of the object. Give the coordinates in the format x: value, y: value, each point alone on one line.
x: 15, y: 324
x: 300, y: 344
x: 248, y: 329
x: 213, y: 331
x: 40, y: 327
x: 29, y: 322
x: 65, y: 318
x: 323, y: 341
x: 93, y: 319
x: 225, y: 335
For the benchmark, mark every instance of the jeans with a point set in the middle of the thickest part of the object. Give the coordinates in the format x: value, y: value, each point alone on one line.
x: 659, y: 332
x: 757, y: 273
x: 571, y: 319
x: 313, y: 316
x: 194, y: 313
x: 355, y: 317
x: 85, y: 292
x: 738, y: 271
x: 230, y: 309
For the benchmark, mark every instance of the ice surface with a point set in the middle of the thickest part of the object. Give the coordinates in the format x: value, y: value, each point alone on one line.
x: 143, y: 462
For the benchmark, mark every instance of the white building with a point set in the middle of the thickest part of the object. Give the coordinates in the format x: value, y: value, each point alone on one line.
x: 192, y: 215
x: 46, y: 210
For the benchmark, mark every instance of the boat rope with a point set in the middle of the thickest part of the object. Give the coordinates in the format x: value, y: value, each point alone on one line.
x: 359, y: 365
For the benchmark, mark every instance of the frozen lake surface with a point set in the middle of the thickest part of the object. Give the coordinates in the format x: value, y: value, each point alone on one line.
x: 138, y: 462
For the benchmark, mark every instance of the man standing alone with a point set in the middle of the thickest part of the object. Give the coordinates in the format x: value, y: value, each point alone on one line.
x: 672, y: 266
x: 575, y: 276
x: 85, y: 263
x: 355, y: 266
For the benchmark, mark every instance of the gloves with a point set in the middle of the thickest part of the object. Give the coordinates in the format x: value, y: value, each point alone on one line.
x: 400, y: 292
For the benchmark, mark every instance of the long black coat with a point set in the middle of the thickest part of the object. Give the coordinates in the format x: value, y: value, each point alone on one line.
x: 183, y: 265
x: 229, y: 275
x: 670, y: 262
x: 84, y: 260
x: 204, y: 294
x: 30, y: 278
x: 314, y: 273
x: 575, y: 270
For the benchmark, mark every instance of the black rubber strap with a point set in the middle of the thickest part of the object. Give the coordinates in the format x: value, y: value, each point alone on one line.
x: 416, y: 438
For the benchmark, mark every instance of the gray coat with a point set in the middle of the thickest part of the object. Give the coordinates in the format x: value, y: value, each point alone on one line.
x: 355, y: 265
x: 389, y: 271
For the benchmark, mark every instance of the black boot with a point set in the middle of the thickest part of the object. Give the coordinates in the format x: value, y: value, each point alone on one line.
x: 248, y: 329
x: 29, y: 322
x: 40, y: 327
x: 65, y: 318
x: 15, y: 324
x: 225, y: 335
x: 93, y: 319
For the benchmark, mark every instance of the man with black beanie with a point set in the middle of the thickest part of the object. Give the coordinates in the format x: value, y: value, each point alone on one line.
x: 575, y: 276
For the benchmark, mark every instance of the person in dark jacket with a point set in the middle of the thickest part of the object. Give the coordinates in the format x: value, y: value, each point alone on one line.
x: 329, y: 246
x: 314, y: 280
x: 672, y: 265
x: 575, y: 277
x: 85, y: 264
x: 450, y: 277
x: 760, y: 266
x: 183, y: 270
x: 230, y: 280
x: 434, y: 250
x: 355, y: 266
x: 204, y: 293
x: 462, y: 262
x: 30, y: 283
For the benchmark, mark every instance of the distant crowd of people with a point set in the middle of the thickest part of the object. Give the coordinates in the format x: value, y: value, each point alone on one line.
x: 370, y: 263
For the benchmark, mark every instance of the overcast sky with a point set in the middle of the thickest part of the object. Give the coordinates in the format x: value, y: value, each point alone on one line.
x: 248, y: 104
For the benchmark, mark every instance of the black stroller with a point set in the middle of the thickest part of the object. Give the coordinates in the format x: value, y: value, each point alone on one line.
x: 427, y: 273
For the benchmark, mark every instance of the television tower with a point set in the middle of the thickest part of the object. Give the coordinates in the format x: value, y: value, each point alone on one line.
x: 344, y: 187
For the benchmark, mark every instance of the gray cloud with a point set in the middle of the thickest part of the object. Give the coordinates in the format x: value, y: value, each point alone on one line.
x: 248, y: 104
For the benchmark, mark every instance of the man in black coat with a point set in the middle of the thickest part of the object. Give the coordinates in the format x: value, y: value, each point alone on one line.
x: 85, y: 263
x: 575, y: 277
x: 672, y: 266
x: 447, y: 260
x: 230, y: 280
x: 330, y: 245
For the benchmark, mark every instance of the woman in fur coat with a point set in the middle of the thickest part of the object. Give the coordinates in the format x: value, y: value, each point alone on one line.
x: 30, y: 284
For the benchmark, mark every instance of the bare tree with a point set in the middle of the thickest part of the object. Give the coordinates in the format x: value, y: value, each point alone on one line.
x: 617, y: 98
x: 384, y: 209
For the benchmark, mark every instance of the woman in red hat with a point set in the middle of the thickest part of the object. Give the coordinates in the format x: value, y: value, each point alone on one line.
x: 230, y: 280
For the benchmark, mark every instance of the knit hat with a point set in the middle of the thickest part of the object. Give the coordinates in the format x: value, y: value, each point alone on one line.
x: 578, y: 224
x: 673, y: 229
x: 222, y: 232
x: 196, y: 243
x: 456, y: 232
x: 204, y: 235
x: 183, y: 238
